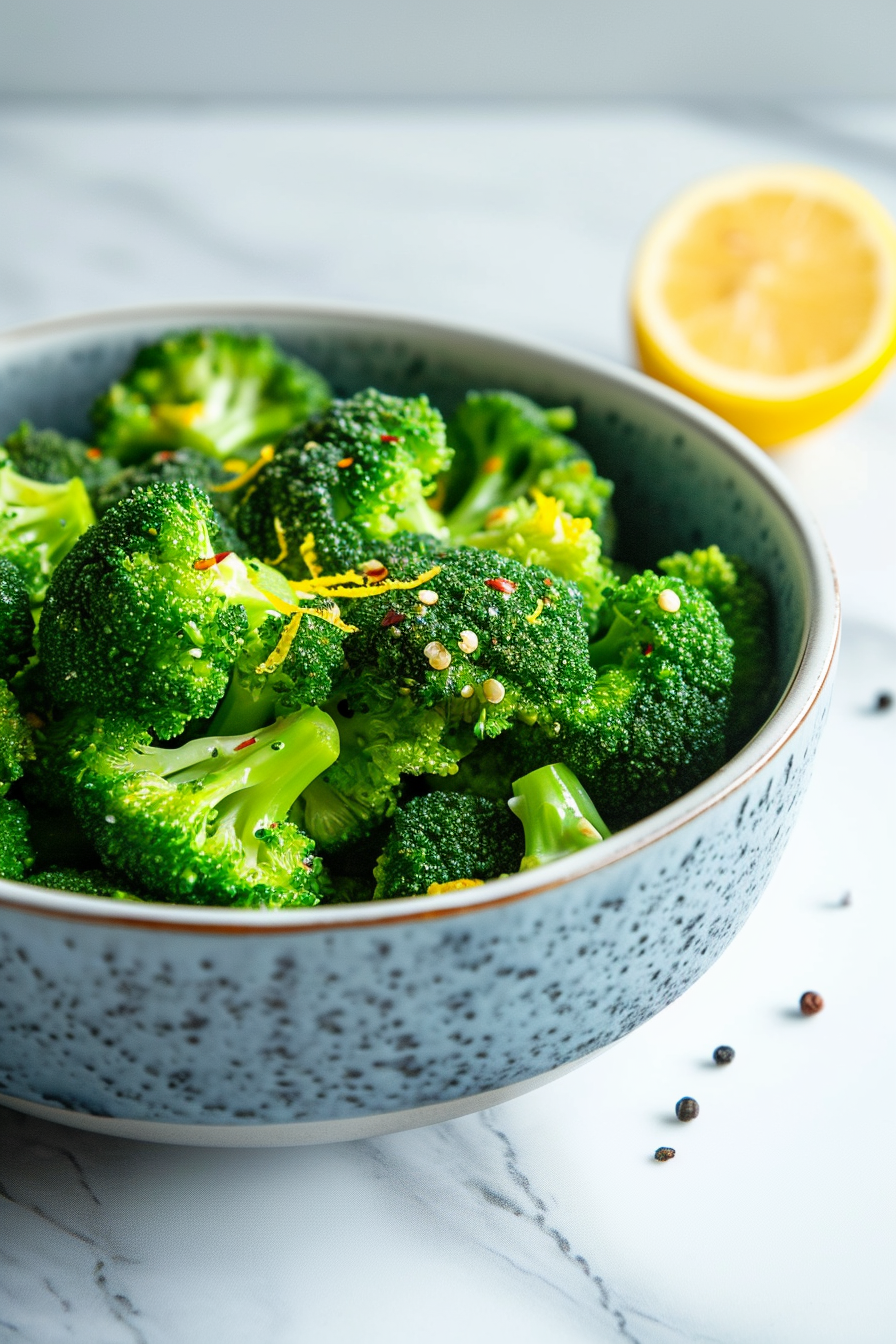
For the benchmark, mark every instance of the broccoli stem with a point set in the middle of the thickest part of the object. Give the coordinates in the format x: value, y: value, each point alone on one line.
x: 614, y: 643
x: 486, y: 491
x: 242, y: 712
x: 558, y: 816
x: 419, y: 517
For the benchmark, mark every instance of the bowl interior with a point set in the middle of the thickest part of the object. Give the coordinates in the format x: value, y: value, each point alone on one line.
x: 679, y: 483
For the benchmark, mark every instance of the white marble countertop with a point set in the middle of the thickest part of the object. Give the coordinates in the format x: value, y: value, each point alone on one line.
x: 545, y: 1219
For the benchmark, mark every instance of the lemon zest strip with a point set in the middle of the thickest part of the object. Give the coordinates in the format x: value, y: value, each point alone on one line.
x: 249, y: 474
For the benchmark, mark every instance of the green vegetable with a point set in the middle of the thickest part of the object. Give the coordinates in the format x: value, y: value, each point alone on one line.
x: 447, y: 838
x: 39, y: 524
x: 215, y: 391
x: 144, y: 611
x: 16, y: 621
x: 744, y: 604
x: 652, y: 723
x: 83, y: 882
x: 558, y: 816
x: 206, y: 823
x: 16, y: 854
x: 538, y: 531
x: 354, y: 481
x: 48, y: 456
x: 505, y: 445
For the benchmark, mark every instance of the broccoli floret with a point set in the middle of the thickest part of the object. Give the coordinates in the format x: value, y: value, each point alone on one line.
x: 16, y: 621
x: 206, y: 823
x: 39, y: 524
x: 143, y: 611
x: 353, y: 480
x: 179, y: 464
x: 384, y: 738
x: 48, y: 456
x: 64, y: 745
x: 540, y: 532
x: 289, y: 661
x: 16, y: 855
x: 212, y: 390
x: 743, y: 602
x: 652, y: 724
x: 446, y: 841
x: 506, y: 445
x: 83, y: 882
x: 558, y: 816
x: 502, y: 640
x: 16, y: 745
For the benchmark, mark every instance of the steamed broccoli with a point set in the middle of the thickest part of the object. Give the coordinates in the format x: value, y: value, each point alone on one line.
x: 353, y: 481
x: 16, y: 745
x: 216, y: 391
x: 502, y: 640
x: 652, y: 723
x: 506, y: 445
x: 48, y: 456
x: 16, y: 621
x: 540, y: 532
x: 445, y: 842
x: 16, y: 854
x: 81, y: 881
x: 385, y: 737
x: 39, y: 524
x: 206, y: 823
x: 558, y: 816
x: 144, y: 605
x: 744, y: 604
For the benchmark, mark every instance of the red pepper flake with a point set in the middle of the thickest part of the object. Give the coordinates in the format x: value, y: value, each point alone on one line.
x: 167, y: 455
x: 502, y: 585
x: 548, y: 583
x: 648, y: 650
x: 94, y: 453
x: 389, y: 438
x: 392, y: 617
x: 345, y: 461
x: 249, y: 742
x: 212, y: 560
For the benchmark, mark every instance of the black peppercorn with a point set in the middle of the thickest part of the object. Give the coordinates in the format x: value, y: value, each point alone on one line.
x: 811, y: 1003
x: 723, y: 1054
x: 687, y: 1109
x: 884, y: 701
x: 664, y: 1154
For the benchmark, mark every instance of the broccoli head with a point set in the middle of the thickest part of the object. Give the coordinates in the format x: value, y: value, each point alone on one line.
x: 48, y: 456
x: 503, y: 640
x: 744, y: 604
x: 385, y: 737
x: 16, y: 855
x: 558, y: 816
x: 206, y: 823
x: 652, y: 723
x: 16, y: 621
x: 538, y: 531
x: 354, y: 481
x: 39, y: 524
x: 506, y: 445
x: 144, y: 614
x: 81, y: 881
x: 215, y: 391
x: 446, y: 842
x: 16, y: 745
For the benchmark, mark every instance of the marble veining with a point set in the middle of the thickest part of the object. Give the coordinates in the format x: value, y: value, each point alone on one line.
x: 774, y: 1222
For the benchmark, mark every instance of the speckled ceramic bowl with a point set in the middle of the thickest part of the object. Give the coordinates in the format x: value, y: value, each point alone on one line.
x: 239, y: 1027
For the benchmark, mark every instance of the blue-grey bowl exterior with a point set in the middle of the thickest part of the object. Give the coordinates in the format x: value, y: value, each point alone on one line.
x: 238, y: 1026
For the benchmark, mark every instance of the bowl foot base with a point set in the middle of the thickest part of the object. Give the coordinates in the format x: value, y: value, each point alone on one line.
x: 293, y: 1134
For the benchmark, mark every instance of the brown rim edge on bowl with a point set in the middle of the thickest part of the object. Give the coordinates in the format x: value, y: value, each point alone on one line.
x: 818, y: 653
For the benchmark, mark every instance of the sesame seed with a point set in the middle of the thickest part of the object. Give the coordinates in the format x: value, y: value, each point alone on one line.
x: 195, y: 653
x: 493, y: 691
x: 437, y: 655
x: 427, y: 597
x: 468, y: 642
x: 110, y: 819
x: 466, y: 691
x: 668, y: 600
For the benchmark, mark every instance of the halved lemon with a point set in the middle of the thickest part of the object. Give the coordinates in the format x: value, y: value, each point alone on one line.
x: 769, y: 295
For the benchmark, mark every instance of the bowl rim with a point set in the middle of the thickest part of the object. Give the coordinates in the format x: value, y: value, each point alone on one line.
x: 809, y: 677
